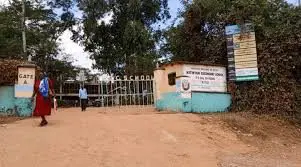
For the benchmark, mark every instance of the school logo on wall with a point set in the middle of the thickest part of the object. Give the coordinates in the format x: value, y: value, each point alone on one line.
x: 185, y: 85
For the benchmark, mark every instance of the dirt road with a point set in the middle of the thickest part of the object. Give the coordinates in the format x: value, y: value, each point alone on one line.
x: 99, y: 138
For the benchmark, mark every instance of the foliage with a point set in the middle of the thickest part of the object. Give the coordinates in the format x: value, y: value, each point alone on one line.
x: 200, y: 37
x: 9, y: 71
x: 43, y: 28
x: 127, y: 43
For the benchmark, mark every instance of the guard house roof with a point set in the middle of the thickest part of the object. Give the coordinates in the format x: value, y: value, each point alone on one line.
x: 163, y: 66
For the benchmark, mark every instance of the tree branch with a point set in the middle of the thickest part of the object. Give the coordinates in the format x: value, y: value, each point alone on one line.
x: 10, y: 3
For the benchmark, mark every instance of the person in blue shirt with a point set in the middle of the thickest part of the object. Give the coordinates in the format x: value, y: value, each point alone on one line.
x: 83, y: 97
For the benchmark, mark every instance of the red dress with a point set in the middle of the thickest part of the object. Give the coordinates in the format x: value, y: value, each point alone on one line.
x: 43, y: 106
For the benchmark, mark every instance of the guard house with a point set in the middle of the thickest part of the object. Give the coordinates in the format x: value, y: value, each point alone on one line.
x: 191, y: 87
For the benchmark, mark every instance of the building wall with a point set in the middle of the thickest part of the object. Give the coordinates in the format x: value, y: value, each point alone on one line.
x: 173, y: 101
x: 9, y: 105
x: 161, y: 79
x: 200, y: 102
x: 167, y: 97
x: 178, y: 69
x: 6, y: 99
x: 210, y: 102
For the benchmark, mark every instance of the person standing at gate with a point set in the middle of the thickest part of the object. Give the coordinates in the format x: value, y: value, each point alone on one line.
x: 83, y: 97
x: 144, y: 95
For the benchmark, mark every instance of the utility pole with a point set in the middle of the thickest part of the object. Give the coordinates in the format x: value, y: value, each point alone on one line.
x: 24, y: 30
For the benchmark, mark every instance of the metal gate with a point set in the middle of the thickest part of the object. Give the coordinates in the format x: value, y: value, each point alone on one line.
x: 119, y: 92
x: 133, y: 91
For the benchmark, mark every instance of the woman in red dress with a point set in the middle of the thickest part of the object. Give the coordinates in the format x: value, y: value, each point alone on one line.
x: 43, y: 103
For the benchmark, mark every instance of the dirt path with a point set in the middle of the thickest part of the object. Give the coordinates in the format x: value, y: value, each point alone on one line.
x: 98, y: 138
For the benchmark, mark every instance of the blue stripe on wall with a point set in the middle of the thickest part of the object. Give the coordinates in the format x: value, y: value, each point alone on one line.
x: 6, y: 99
x: 210, y: 102
x: 24, y: 88
x: 9, y: 105
x: 200, y: 102
x: 173, y: 102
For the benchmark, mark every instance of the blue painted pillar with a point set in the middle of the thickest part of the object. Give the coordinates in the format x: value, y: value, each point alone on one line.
x: 24, y: 89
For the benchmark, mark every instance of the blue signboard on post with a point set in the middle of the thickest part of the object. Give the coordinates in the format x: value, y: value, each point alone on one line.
x: 242, y: 53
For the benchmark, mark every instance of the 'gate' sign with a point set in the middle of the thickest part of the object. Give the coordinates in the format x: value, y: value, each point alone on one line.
x: 26, y: 76
x: 26, y: 79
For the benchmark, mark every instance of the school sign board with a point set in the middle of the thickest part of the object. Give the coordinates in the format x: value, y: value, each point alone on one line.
x: 204, y: 78
x: 242, y: 53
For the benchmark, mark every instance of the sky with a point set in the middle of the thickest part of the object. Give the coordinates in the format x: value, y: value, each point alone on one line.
x: 81, y: 58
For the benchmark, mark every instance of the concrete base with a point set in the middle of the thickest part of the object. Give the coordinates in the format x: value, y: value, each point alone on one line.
x: 9, y: 105
x: 200, y: 102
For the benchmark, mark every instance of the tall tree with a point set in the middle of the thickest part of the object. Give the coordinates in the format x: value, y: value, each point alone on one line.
x: 43, y: 28
x: 127, y: 43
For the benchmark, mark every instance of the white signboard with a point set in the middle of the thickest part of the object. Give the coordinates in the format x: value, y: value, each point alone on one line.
x: 242, y: 54
x: 206, y: 78
x: 26, y: 79
x: 26, y: 76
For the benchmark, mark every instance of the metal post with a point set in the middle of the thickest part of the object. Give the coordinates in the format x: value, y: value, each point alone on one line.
x: 117, y: 95
x: 107, y: 97
x: 126, y: 92
x: 102, y: 99
x: 154, y: 95
x: 61, y: 86
x: 134, y: 93
x: 61, y: 90
x: 150, y: 92
x: 121, y: 92
x: 98, y: 91
x: 129, y: 92
x: 138, y: 93
x: 148, y: 88
x: 112, y: 95
x: 142, y: 87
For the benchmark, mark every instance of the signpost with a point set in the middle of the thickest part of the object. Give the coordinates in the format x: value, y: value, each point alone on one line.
x: 242, y: 53
x: 26, y: 79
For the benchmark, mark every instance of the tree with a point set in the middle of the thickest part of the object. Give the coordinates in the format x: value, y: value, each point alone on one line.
x: 200, y: 37
x: 128, y: 43
x: 43, y: 28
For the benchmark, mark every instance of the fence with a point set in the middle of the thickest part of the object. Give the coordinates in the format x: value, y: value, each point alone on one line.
x: 117, y: 92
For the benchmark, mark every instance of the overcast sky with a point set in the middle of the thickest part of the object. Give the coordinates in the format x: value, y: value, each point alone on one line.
x: 81, y: 58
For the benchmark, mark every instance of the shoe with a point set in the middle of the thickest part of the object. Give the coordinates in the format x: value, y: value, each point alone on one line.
x: 43, y: 123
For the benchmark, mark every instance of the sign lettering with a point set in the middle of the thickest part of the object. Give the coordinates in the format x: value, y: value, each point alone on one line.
x: 26, y: 79
x: 242, y: 49
x: 124, y: 78
x: 206, y: 78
